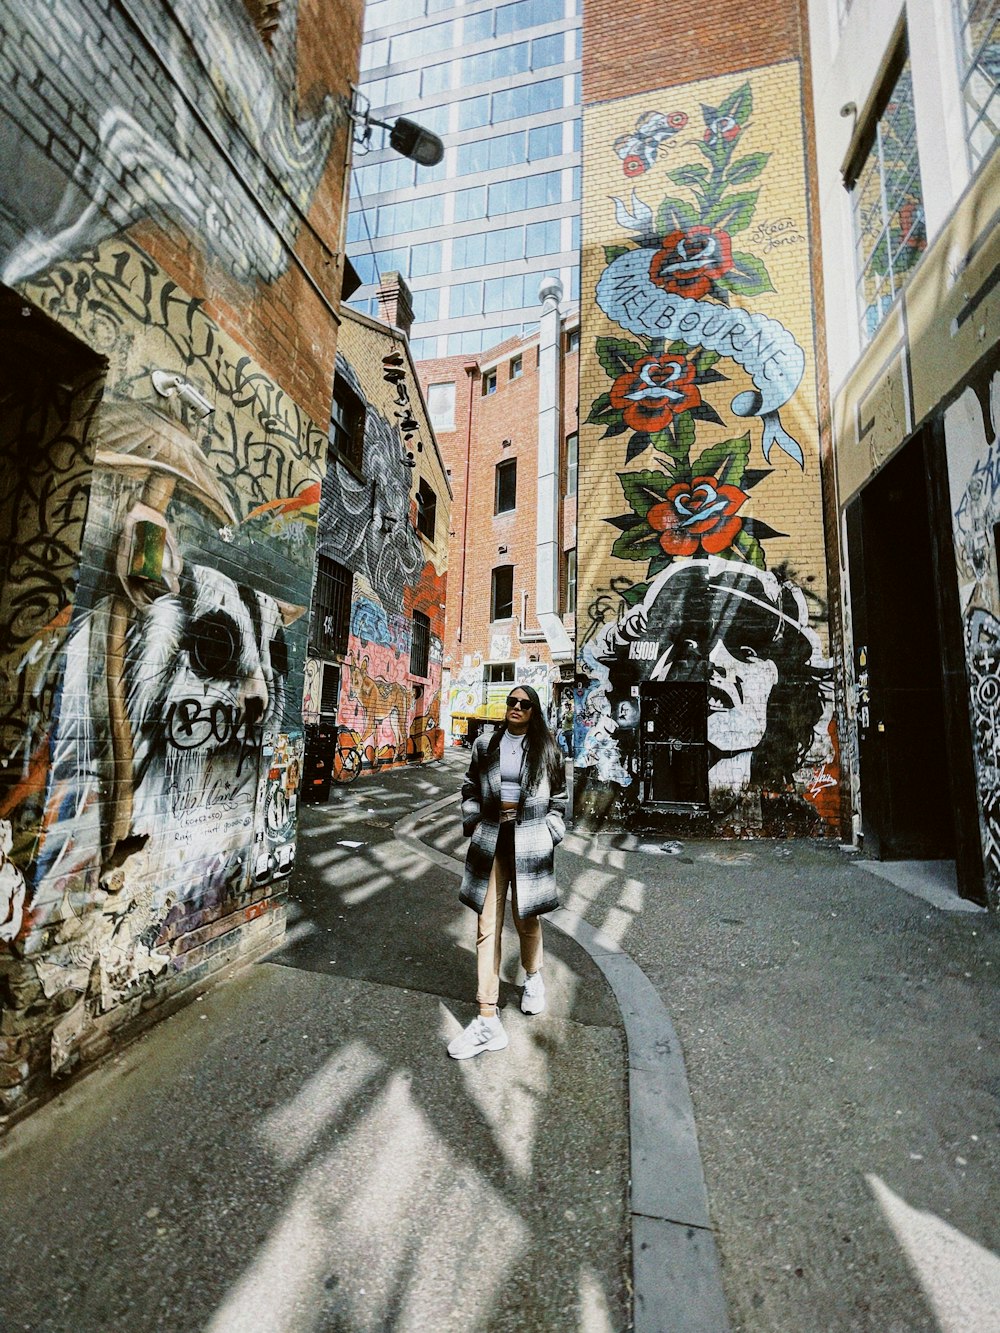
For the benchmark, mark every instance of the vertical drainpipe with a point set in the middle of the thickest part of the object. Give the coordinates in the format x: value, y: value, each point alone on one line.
x: 547, y: 560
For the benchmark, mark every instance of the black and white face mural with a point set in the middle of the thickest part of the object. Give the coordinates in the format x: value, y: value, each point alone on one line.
x: 742, y: 631
x: 972, y: 432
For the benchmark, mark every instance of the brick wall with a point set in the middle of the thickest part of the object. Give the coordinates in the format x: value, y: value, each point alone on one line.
x: 703, y: 562
x: 483, y: 422
x: 170, y: 245
x: 387, y: 714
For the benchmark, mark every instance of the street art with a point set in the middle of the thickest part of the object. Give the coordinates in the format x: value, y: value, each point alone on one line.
x: 364, y: 521
x: 640, y: 148
x: 164, y: 792
x: 972, y: 431
x: 746, y: 634
x: 256, y: 112
x: 681, y: 289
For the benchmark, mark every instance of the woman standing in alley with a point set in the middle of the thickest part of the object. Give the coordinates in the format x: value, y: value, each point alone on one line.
x: 513, y: 803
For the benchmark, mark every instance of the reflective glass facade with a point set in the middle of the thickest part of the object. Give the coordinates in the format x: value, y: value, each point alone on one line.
x: 474, y: 236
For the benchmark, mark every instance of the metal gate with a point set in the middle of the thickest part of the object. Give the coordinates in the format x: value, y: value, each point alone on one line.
x: 673, y: 744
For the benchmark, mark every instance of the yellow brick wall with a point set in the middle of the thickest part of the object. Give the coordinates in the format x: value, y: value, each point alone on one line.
x: 782, y: 510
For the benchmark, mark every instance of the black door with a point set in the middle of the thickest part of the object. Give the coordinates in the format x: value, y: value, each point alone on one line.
x: 673, y: 744
x: 905, y: 767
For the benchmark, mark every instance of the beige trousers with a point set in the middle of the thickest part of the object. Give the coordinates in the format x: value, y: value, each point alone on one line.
x: 490, y: 923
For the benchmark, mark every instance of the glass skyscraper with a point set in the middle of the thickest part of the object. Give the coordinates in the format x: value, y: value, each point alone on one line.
x: 473, y: 236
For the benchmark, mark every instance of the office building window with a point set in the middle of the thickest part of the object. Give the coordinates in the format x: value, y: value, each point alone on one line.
x: 474, y: 112
x: 425, y: 259
x: 887, y: 203
x: 331, y: 608
x: 489, y: 382
x: 572, y: 448
x: 425, y: 304
x: 441, y: 405
x: 502, y: 593
x: 347, y: 424
x: 979, y: 51
x: 516, y: 367
x: 545, y: 141
x: 548, y: 51
x: 426, y: 510
x: 465, y: 298
x: 505, y: 495
x: 469, y: 204
x: 420, y: 644
x: 396, y: 219
x: 542, y: 238
x: 527, y: 100
x: 569, y: 582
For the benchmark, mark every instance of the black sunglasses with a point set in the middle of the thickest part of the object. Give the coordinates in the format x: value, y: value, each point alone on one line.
x: 514, y: 702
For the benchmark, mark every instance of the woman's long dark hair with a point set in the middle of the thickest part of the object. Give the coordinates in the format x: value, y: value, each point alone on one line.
x: 544, y: 755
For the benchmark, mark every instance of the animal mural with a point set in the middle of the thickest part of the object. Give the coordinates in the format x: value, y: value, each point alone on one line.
x: 690, y: 357
x: 152, y: 743
x: 972, y: 432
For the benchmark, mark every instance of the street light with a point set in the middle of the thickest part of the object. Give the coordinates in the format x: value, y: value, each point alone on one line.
x: 406, y: 137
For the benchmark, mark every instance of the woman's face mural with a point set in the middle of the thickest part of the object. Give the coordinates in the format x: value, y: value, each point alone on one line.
x: 746, y: 635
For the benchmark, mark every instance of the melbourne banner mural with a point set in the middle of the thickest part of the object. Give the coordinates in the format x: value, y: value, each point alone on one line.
x: 700, y: 400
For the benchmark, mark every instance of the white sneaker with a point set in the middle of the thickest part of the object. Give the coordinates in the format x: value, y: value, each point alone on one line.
x: 482, y: 1034
x: 533, y: 997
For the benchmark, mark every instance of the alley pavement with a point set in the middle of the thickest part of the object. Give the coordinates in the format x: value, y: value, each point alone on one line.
x: 295, y: 1151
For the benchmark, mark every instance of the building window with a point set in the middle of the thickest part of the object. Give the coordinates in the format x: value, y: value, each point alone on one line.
x: 572, y: 458
x: 490, y: 382
x: 502, y: 594
x: 441, y: 405
x: 347, y: 423
x: 572, y: 341
x: 569, y: 582
x: 331, y: 611
x: 887, y: 203
x: 420, y: 644
x: 516, y: 367
x: 329, y: 690
x: 499, y: 673
x: 979, y: 52
x: 426, y: 510
x: 505, y: 495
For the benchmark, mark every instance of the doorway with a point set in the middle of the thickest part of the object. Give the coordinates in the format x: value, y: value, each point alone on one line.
x: 898, y: 539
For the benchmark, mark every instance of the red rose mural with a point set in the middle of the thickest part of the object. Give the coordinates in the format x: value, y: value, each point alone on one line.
x: 654, y: 391
x: 703, y: 512
x: 689, y: 261
x: 721, y: 129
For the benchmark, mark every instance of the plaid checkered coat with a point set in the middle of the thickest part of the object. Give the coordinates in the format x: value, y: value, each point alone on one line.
x: 539, y: 828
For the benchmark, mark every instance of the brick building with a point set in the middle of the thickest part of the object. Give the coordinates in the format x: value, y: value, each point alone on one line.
x: 703, y: 590
x: 170, y: 274
x: 506, y: 421
x: 906, y: 110
x: 373, y: 675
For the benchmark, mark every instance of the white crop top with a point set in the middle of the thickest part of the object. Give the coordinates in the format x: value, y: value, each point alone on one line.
x: 512, y: 749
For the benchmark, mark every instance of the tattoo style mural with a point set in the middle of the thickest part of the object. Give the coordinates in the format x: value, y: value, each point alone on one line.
x: 681, y: 287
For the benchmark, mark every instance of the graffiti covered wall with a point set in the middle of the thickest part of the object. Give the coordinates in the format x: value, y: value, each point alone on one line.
x: 701, y: 532
x: 152, y: 739
x: 972, y: 434
x: 165, y: 242
x: 389, y: 708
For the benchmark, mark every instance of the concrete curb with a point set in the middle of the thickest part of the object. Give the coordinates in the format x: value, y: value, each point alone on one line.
x: 677, y: 1286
